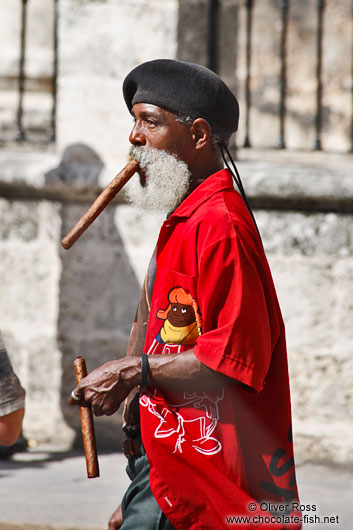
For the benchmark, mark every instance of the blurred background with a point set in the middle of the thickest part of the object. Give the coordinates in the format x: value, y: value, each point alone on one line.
x: 64, y: 135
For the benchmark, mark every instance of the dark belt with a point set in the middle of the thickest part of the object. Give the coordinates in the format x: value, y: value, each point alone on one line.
x: 132, y: 443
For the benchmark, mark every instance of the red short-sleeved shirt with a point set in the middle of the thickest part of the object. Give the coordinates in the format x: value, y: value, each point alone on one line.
x: 211, y: 454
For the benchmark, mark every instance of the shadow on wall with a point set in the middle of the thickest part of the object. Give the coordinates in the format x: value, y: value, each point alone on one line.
x: 98, y: 289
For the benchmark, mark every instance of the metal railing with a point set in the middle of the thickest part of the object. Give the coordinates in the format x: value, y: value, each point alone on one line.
x: 213, y: 14
x: 284, y: 13
x: 21, y: 131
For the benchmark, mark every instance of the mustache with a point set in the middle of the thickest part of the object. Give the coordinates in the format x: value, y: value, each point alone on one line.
x: 150, y: 155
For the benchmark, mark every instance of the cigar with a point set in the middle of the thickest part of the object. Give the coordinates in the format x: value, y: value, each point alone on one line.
x: 87, y: 425
x: 100, y: 203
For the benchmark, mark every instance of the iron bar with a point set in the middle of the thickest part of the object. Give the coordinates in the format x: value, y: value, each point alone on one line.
x: 351, y: 150
x: 284, y: 6
x: 249, y: 10
x: 319, y: 84
x: 52, y: 134
x: 212, y: 51
x: 20, y: 134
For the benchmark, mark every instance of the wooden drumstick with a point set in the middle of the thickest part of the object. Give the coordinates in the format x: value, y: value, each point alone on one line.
x: 87, y: 425
x: 100, y: 203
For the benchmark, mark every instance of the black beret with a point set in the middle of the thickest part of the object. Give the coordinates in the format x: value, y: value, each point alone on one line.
x: 184, y: 88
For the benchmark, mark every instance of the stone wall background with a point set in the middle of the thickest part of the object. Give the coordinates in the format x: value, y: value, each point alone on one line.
x: 311, y: 257
x: 56, y: 304
x: 265, y: 66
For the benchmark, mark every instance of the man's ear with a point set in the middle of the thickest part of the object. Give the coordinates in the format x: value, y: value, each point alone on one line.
x: 201, y: 132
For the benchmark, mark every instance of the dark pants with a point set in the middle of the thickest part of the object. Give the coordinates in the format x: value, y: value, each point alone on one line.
x: 139, y: 507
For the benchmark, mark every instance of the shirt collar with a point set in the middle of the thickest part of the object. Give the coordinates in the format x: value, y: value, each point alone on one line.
x: 219, y: 181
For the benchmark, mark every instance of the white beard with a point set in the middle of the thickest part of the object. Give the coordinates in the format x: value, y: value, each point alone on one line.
x: 167, y: 184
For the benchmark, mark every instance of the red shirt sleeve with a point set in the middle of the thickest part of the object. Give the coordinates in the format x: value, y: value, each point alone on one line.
x: 236, y: 338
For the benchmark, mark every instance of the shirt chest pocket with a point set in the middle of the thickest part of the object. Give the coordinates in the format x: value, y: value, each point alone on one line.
x: 174, y: 317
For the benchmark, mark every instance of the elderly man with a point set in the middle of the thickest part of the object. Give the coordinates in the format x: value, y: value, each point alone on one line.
x: 207, y: 350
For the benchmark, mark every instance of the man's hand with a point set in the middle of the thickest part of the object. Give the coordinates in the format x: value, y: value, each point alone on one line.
x: 108, y: 385
x: 116, y: 519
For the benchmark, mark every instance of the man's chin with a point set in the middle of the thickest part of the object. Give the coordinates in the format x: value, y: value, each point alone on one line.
x: 138, y: 197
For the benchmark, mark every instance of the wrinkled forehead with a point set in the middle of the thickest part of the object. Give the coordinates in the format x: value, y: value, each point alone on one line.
x: 143, y: 109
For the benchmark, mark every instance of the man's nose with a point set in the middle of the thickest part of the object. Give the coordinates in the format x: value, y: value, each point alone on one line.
x: 136, y: 136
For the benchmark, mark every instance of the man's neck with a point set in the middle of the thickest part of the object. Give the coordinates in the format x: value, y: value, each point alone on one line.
x: 196, y: 180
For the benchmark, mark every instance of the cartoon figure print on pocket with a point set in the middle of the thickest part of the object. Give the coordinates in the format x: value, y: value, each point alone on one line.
x: 182, y: 320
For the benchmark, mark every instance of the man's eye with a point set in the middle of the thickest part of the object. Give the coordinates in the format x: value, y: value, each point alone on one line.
x: 174, y: 307
x: 183, y: 310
